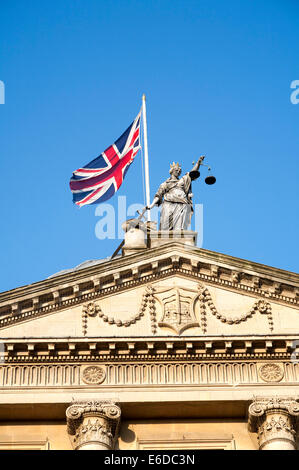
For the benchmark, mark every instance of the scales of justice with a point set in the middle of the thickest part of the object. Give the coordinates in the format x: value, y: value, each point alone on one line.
x: 174, y: 196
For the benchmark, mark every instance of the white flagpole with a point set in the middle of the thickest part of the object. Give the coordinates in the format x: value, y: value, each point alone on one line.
x: 146, y: 168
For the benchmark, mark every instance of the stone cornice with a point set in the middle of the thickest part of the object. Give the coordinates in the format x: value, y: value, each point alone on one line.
x: 148, y: 255
x: 149, y: 349
x: 59, y: 296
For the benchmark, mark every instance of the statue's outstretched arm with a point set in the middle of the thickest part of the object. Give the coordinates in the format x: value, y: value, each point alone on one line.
x: 198, y: 163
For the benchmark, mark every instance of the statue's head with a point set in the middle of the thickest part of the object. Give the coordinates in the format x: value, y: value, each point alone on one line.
x: 175, y: 169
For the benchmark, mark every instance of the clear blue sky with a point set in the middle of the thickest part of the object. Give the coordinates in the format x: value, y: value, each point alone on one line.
x: 217, y: 77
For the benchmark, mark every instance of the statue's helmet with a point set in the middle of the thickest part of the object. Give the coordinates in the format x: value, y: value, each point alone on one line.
x: 174, y: 166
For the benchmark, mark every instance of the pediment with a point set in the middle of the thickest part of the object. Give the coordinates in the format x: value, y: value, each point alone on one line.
x: 175, y: 305
x: 203, y: 292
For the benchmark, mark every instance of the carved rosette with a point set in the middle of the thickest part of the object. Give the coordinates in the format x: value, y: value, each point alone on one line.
x: 272, y: 372
x: 93, y: 425
x: 93, y: 375
x: 275, y: 420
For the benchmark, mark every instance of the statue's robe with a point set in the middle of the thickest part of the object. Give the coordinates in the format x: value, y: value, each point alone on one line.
x: 175, y: 197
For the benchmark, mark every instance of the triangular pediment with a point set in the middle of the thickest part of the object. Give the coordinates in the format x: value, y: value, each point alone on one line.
x: 171, y: 290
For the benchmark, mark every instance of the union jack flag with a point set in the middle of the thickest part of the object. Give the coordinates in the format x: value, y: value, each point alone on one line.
x: 100, y: 179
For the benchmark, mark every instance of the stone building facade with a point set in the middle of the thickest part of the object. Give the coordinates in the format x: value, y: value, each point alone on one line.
x: 167, y: 346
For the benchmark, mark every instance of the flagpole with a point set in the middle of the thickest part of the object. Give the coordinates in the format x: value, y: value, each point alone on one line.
x: 146, y: 167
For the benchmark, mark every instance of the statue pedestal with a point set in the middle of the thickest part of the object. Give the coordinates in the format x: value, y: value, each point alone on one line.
x: 139, y: 236
x: 135, y: 237
x: 158, y: 238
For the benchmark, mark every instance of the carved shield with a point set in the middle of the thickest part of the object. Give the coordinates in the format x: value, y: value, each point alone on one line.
x: 178, y: 308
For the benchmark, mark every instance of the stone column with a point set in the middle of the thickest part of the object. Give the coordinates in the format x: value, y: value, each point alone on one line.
x: 275, y: 420
x: 93, y: 425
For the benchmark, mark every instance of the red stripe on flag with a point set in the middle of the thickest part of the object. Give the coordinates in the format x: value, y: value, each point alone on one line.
x: 135, y: 135
x: 111, y: 154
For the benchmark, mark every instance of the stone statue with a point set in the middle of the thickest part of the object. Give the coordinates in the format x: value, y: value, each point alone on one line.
x: 175, y: 196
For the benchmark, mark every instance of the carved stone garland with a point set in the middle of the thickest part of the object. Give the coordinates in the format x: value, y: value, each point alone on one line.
x: 203, y: 312
x: 93, y: 425
x: 205, y: 298
x: 91, y: 309
x: 152, y: 309
x: 275, y: 419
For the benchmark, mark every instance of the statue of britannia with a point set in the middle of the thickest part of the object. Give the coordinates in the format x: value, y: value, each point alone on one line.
x: 175, y: 196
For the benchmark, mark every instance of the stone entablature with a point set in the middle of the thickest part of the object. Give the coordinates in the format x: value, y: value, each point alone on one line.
x: 180, y: 374
x: 272, y: 347
x: 92, y: 362
x: 109, y: 277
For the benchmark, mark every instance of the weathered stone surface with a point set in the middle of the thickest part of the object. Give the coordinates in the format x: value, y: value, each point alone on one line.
x: 93, y: 425
x: 275, y: 419
x: 181, y: 337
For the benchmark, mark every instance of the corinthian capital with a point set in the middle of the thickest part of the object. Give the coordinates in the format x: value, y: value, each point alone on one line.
x: 275, y: 420
x: 93, y: 424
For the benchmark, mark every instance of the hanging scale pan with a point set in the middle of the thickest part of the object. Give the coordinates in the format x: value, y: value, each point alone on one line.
x: 210, y: 179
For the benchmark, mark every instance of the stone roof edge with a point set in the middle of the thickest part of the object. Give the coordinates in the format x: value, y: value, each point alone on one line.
x: 131, y: 271
x: 178, y: 338
x: 144, y: 258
